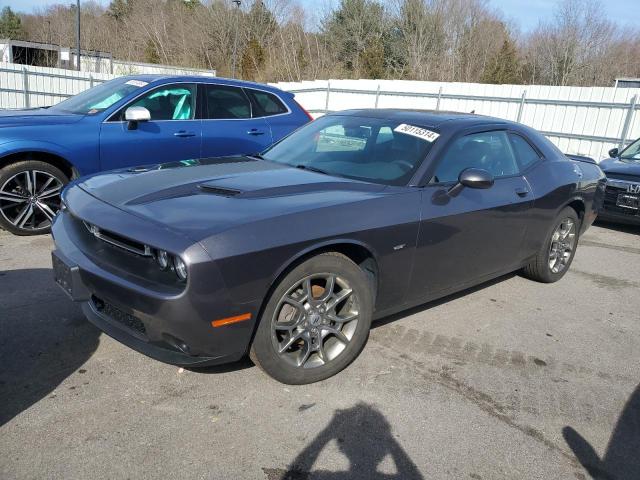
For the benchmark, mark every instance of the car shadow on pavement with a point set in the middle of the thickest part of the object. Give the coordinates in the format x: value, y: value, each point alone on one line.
x: 44, y: 338
x: 621, y: 460
x: 363, y: 435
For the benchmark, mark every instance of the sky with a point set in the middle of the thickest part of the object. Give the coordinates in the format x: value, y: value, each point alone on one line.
x: 523, y: 13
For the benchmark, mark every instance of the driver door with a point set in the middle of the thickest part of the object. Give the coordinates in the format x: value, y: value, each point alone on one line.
x: 173, y: 133
x: 479, y: 233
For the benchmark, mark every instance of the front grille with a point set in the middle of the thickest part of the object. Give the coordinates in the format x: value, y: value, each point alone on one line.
x: 611, y: 198
x: 624, y: 177
x: 114, y: 313
x: 119, y: 241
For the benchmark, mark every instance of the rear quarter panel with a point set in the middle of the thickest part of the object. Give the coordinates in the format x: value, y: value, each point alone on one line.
x: 556, y: 183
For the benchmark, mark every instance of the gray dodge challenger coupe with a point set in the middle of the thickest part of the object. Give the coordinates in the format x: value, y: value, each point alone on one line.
x: 288, y: 255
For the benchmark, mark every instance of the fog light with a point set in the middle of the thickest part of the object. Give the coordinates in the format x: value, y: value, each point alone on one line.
x: 180, y: 268
x: 162, y: 258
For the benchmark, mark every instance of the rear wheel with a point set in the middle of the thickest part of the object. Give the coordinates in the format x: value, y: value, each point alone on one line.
x: 316, y: 321
x: 30, y: 196
x: 556, y: 254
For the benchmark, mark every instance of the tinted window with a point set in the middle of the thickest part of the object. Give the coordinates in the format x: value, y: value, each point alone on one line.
x: 169, y: 102
x: 227, y: 102
x: 489, y: 151
x: 368, y: 149
x: 267, y: 103
x: 525, y: 152
x: 632, y: 152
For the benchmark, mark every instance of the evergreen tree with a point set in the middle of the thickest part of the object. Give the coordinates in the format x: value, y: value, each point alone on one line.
x: 10, y: 25
x: 253, y: 60
x: 504, y: 67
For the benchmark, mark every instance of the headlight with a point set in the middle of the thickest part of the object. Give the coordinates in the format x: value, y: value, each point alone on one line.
x: 180, y: 267
x: 162, y: 258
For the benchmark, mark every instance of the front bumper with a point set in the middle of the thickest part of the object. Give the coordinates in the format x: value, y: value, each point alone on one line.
x: 611, y: 211
x: 169, y: 325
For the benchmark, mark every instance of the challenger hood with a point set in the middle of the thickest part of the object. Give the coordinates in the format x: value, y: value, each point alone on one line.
x: 36, y: 116
x: 202, y: 197
x: 623, y: 167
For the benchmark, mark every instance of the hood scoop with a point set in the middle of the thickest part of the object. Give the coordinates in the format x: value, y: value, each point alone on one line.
x: 221, y: 191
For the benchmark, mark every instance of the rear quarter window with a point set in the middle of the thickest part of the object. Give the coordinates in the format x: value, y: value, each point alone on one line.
x: 267, y: 104
x: 525, y: 153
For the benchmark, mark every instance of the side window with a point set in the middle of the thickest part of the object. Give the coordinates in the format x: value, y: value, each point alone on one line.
x: 489, y: 151
x: 169, y: 102
x: 226, y: 103
x: 343, y: 138
x: 525, y: 152
x: 268, y: 104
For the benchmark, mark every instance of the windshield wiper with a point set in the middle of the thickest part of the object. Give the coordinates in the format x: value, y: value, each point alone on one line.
x: 256, y: 155
x: 311, y: 169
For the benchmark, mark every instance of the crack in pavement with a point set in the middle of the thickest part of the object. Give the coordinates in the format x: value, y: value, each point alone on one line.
x: 591, y: 243
x: 481, y: 400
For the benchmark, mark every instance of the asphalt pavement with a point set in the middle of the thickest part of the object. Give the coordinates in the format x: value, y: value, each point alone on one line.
x: 510, y: 380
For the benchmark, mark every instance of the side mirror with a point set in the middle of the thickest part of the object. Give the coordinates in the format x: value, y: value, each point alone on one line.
x: 472, y: 178
x: 133, y: 115
x: 613, y: 153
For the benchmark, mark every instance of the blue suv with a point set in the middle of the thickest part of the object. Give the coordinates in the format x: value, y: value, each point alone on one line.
x: 126, y: 122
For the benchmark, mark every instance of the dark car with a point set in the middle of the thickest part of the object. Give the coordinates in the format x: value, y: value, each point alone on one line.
x: 622, y: 197
x: 121, y: 123
x: 291, y: 254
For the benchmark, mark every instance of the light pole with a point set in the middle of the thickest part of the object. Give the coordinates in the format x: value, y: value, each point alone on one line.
x: 235, y: 43
x: 78, y: 31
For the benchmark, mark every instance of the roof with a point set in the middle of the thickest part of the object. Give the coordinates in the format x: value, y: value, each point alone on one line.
x: 203, y: 79
x: 427, y: 118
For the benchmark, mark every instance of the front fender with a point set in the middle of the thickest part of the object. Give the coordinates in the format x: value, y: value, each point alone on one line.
x: 18, y: 146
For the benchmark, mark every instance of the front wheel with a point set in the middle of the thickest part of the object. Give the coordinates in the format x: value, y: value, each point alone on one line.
x: 556, y: 254
x: 30, y: 196
x: 316, y: 321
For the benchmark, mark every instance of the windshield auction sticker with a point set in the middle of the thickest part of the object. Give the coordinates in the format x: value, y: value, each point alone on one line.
x: 136, y: 83
x: 414, y: 131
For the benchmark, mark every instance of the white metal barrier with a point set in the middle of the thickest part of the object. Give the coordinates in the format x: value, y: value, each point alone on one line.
x: 23, y: 86
x: 579, y: 120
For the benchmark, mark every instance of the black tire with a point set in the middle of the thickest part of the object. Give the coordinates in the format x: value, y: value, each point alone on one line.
x: 265, y: 344
x: 15, y: 196
x: 539, y: 269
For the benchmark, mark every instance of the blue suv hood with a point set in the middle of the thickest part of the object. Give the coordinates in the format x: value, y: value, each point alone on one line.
x: 36, y: 116
x: 615, y: 165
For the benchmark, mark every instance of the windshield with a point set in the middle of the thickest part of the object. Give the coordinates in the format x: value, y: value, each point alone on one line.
x: 632, y: 152
x: 369, y: 149
x: 99, y: 98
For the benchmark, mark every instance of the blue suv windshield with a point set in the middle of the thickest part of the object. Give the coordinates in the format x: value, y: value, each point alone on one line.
x: 632, y: 152
x: 369, y: 149
x: 99, y: 98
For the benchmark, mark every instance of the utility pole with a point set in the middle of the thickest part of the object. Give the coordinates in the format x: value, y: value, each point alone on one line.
x: 78, y: 31
x: 235, y: 43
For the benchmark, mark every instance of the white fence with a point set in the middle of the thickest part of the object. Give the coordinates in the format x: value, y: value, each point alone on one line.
x: 24, y: 86
x: 579, y: 120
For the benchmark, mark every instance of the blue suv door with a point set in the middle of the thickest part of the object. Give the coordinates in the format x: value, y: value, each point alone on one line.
x: 173, y: 133
x: 227, y: 126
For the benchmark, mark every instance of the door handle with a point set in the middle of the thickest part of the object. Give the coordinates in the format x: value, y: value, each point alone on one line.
x: 184, y: 133
x: 522, y: 191
x: 255, y: 131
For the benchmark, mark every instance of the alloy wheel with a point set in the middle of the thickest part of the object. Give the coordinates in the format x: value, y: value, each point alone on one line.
x: 30, y: 199
x: 562, y: 245
x: 315, y: 320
